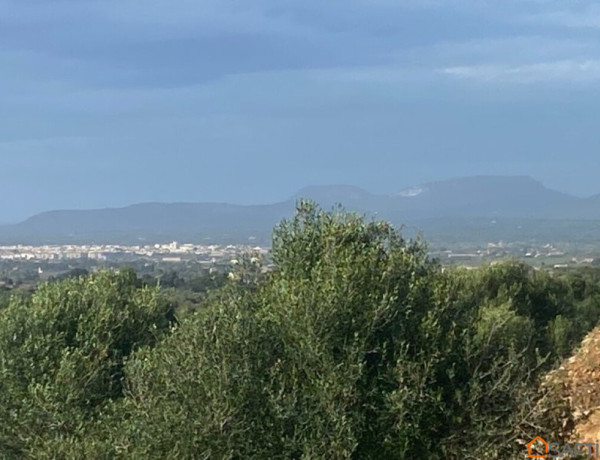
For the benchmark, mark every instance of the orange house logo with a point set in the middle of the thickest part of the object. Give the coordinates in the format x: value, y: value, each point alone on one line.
x: 557, y: 450
x: 541, y: 443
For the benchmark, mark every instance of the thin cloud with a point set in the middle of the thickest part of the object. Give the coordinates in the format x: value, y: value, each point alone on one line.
x: 558, y: 71
x: 581, y: 18
x: 515, y: 50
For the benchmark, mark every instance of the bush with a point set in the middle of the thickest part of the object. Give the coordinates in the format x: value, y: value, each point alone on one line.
x: 62, y: 354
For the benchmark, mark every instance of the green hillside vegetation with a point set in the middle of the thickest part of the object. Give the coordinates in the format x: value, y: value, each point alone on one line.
x: 356, y: 345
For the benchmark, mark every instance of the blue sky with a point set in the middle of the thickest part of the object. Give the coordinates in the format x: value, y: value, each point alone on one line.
x: 107, y: 103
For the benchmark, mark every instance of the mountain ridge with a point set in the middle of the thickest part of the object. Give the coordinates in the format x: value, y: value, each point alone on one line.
x: 461, y: 199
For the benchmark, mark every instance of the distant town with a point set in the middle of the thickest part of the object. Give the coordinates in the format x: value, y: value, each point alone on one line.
x: 27, y: 265
x: 550, y: 255
x: 171, y: 253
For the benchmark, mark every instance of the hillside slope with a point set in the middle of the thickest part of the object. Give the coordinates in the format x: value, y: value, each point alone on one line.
x: 482, y: 208
x: 575, y: 388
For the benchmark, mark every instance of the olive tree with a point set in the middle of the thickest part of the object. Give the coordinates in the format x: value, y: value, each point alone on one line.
x: 62, y: 353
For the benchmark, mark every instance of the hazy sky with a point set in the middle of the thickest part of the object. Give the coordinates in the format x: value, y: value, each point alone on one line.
x: 109, y: 102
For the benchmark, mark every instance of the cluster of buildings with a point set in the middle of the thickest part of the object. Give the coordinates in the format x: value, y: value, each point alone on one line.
x: 209, y: 255
x: 171, y: 252
x: 543, y: 254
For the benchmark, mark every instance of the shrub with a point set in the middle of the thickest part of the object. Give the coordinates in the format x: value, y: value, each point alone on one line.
x: 62, y: 354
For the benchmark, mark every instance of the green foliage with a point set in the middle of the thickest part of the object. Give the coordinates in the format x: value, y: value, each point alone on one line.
x: 62, y: 354
x: 207, y: 281
x: 73, y: 273
x: 355, y: 345
x: 562, y: 335
x: 290, y: 369
x: 4, y: 299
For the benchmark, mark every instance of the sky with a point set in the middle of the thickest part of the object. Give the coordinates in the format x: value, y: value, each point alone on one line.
x: 113, y: 102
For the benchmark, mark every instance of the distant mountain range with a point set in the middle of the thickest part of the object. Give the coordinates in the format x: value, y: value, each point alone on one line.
x: 473, y: 207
